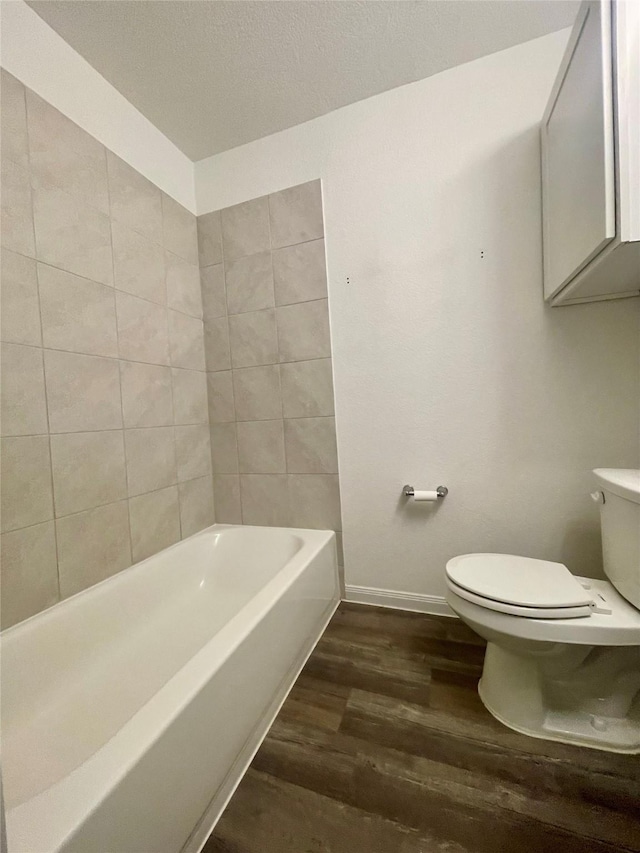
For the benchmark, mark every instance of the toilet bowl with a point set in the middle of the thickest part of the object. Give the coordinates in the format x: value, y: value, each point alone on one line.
x: 563, y: 652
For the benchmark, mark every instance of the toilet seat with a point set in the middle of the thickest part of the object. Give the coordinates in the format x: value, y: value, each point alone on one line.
x: 519, y: 586
x: 518, y: 609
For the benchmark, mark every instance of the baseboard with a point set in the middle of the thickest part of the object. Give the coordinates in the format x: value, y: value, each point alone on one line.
x: 436, y: 605
x: 207, y: 822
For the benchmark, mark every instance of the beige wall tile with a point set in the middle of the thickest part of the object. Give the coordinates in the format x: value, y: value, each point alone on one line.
x: 16, y: 229
x: 92, y: 546
x: 190, y: 403
x: 249, y: 283
x: 77, y: 314
x: 245, y: 229
x: 226, y: 490
x: 210, y: 239
x: 265, y: 499
x: 253, y: 339
x: 135, y: 201
x: 196, y: 505
x: 138, y: 264
x: 13, y: 120
x: 214, y: 299
x: 117, y: 260
x: 311, y: 446
x: 155, y: 522
x: 151, y: 459
x: 220, y: 396
x: 261, y: 447
x: 62, y: 154
x: 303, y: 331
x: 88, y: 470
x: 143, y: 333
x: 83, y: 392
x: 180, y: 230
x: 193, y: 451
x: 72, y: 235
x: 315, y: 501
x: 29, y: 573
x: 27, y: 496
x: 257, y: 393
x: 216, y: 343
x: 186, y: 341
x: 296, y: 214
x: 183, y: 286
x: 224, y: 448
x: 299, y: 273
x: 307, y: 388
x: 20, y: 311
x: 146, y: 394
x: 23, y: 406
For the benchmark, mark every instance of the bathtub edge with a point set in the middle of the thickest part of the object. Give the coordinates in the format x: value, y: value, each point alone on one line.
x: 214, y: 811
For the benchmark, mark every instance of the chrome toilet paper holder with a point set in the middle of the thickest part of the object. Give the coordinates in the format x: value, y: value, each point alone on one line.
x: 409, y: 491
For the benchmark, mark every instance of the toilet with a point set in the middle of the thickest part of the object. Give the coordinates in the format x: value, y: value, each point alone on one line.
x: 563, y: 652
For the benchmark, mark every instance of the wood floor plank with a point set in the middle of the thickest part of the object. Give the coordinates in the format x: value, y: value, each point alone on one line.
x: 484, y: 728
x: 480, y: 744
x: 434, y: 650
x: 309, y: 757
x: 384, y: 745
x: 456, y: 800
x: 455, y: 699
x: 389, y: 622
x: 273, y: 816
x: 430, y: 795
x: 316, y: 702
x: 369, y: 668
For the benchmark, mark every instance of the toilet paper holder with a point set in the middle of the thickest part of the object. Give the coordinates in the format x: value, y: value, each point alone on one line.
x: 409, y: 491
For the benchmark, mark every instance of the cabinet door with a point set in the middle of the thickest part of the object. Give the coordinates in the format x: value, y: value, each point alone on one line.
x: 578, y: 176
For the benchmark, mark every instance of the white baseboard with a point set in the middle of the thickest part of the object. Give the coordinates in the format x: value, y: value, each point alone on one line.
x: 436, y: 605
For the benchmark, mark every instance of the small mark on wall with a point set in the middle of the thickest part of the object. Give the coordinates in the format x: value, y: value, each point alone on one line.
x: 482, y: 254
x: 348, y: 280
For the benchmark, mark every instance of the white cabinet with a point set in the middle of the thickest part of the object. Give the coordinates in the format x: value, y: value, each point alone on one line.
x: 591, y: 160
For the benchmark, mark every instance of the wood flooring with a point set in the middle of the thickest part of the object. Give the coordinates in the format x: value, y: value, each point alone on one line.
x: 383, y: 746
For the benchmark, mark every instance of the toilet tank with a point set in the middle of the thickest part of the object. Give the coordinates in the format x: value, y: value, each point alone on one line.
x: 620, y: 522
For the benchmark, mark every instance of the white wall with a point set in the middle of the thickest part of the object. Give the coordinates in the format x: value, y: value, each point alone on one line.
x: 448, y: 367
x: 43, y: 61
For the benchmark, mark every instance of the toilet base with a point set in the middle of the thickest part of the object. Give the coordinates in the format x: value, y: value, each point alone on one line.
x: 514, y: 689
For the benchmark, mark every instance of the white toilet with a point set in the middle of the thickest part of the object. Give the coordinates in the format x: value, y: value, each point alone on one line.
x: 563, y: 653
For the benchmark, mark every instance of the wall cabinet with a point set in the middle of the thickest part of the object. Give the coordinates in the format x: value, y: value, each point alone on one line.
x: 591, y: 160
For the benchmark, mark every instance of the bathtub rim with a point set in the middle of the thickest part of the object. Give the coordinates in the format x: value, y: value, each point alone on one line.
x: 121, y: 576
x: 101, y: 773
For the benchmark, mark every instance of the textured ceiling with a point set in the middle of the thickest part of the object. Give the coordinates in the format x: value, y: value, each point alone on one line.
x: 213, y: 75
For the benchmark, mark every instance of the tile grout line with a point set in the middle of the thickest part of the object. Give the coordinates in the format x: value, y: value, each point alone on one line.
x: 206, y: 359
x: 115, y: 310
x: 44, y: 375
x: 275, y: 248
x: 225, y: 263
x: 117, y: 358
x: 289, y: 509
x: 172, y: 368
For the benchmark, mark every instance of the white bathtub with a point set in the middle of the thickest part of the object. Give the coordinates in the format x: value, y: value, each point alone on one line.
x: 130, y: 711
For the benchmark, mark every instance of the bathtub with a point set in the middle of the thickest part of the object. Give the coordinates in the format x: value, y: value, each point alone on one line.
x: 131, y: 711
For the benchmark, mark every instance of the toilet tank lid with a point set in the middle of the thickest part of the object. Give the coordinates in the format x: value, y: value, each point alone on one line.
x: 624, y: 482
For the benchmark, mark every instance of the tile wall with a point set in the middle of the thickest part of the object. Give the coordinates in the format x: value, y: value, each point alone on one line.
x: 105, y: 433
x: 269, y: 367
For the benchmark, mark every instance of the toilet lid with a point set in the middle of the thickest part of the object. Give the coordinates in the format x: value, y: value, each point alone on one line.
x: 522, y: 581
